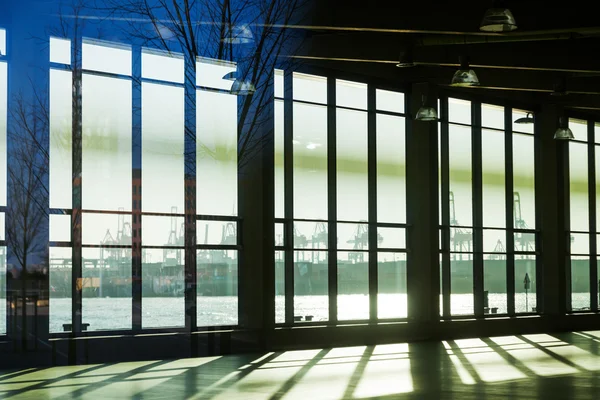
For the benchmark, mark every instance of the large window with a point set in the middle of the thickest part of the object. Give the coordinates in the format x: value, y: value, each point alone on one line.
x: 583, y: 216
x: 487, y: 210
x: 339, y: 243
x: 129, y: 170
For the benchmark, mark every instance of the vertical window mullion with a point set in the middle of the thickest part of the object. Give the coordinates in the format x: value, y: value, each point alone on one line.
x: 445, y: 199
x: 477, y: 208
x: 332, y: 256
x: 136, y: 207
x: 509, y: 192
x: 288, y: 151
x: 592, y: 214
x: 190, y: 181
x: 76, y: 234
x: 372, y: 182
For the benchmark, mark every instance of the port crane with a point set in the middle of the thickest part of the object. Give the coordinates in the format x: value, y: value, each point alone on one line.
x: 523, y: 241
x: 460, y: 239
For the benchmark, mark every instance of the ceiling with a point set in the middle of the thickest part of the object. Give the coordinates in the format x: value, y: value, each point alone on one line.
x: 552, y: 44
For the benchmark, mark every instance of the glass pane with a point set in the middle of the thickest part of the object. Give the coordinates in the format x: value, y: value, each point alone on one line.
x: 279, y: 234
x: 163, y: 288
x: 493, y: 183
x: 108, y: 229
x: 524, y: 181
x: 579, y: 128
x: 461, y: 185
x: 461, y: 284
x: 525, y: 293
x: 60, y: 51
x: 461, y: 240
x: 494, y: 241
x: 597, y: 132
x: 162, y: 66
x: 492, y: 116
x: 162, y: 231
x: 494, y: 285
x: 391, y: 238
x: 279, y: 83
x: 524, y: 241
x: 580, y: 243
x: 3, y: 127
x: 60, y: 228
x: 309, y: 88
x: 597, y: 162
x: 459, y: 111
x: 311, y: 286
x: 106, y: 158
x: 215, y: 232
x: 162, y: 148
x: 60, y: 287
x: 210, y: 73
x: 578, y: 184
x: 389, y: 101
x: 216, y: 153
x: 61, y: 140
x: 353, y: 285
x: 391, y: 169
x: 106, y: 288
x: 310, y: 161
x: 217, y: 287
x: 597, y: 283
x: 279, y: 161
x: 279, y: 287
x: 311, y: 235
x: 351, y: 94
x: 580, y: 283
x: 526, y: 128
x: 391, y: 285
x: 3, y: 278
x: 352, y: 166
x: 107, y: 57
x: 353, y: 236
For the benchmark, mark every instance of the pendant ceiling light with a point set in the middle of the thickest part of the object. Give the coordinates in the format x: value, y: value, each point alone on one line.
x: 406, y: 59
x: 498, y: 20
x: 465, y: 76
x: 240, y: 87
x: 238, y: 34
x: 563, y: 132
x: 426, y: 113
x: 525, y: 120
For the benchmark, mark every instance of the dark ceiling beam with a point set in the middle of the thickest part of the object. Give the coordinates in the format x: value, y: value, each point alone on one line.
x: 520, y: 86
x: 559, y: 57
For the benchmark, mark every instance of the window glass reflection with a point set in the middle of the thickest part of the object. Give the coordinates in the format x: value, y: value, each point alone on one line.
x: 106, y: 288
x: 351, y: 94
x: 353, y: 285
x: 106, y: 155
x: 60, y: 51
x: 3, y: 283
x: 60, y: 275
x: 215, y: 232
x: 524, y: 181
x: 310, y: 161
x: 461, y: 185
x: 494, y: 284
x: 61, y: 139
x: 391, y: 285
x: 217, y: 287
x: 351, y: 165
x: 493, y: 182
x: 162, y: 231
x: 310, y: 88
x: 163, y: 288
x: 216, y: 150
x: 391, y: 169
x: 279, y: 287
x: 525, y: 294
x: 578, y: 184
x: 311, y: 286
x: 389, y: 101
x: 580, y: 283
x: 107, y: 229
x: 461, y: 284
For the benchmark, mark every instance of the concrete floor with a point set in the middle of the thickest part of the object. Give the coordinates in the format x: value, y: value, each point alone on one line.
x: 542, y: 366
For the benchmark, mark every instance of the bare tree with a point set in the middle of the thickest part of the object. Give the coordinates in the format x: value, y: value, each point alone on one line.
x: 28, y: 191
x: 250, y: 32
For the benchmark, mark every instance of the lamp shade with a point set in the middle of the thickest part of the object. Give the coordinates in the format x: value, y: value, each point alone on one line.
x: 525, y: 120
x: 563, y: 133
x: 426, y: 114
x: 238, y: 34
x: 498, y: 20
x: 465, y: 77
x: 242, y: 88
x: 406, y: 60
